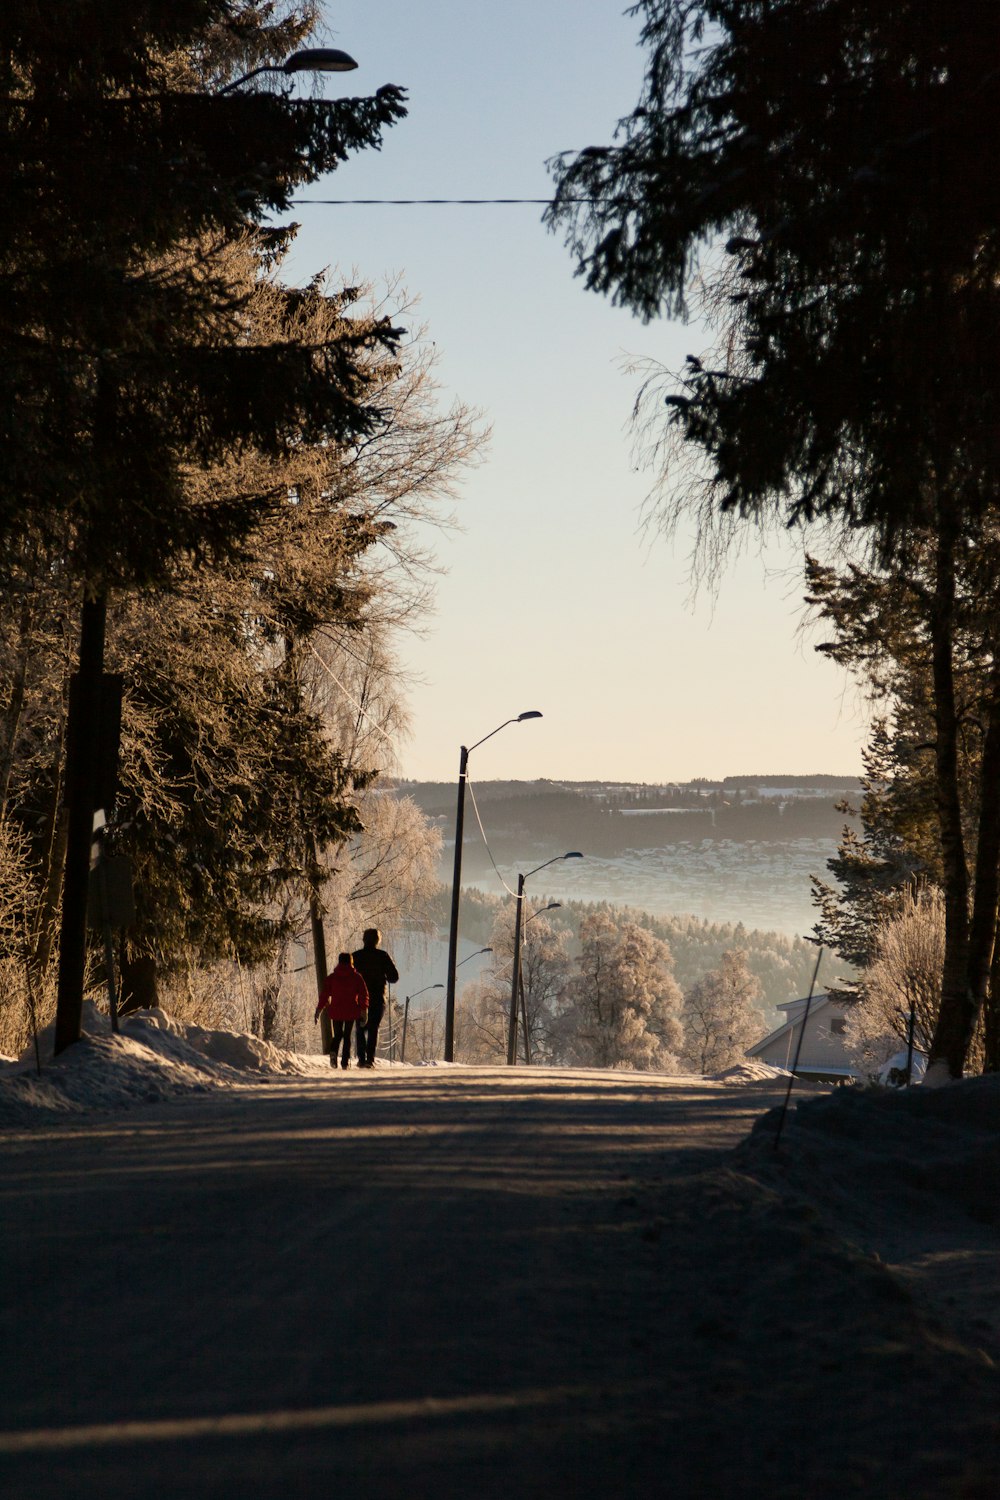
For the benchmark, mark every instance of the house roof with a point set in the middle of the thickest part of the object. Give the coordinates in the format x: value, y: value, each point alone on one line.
x: 791, y: 1004
x: 797, y: 1009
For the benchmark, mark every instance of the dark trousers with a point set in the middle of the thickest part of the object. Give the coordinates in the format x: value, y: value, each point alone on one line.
x: 368, y: 1035
x: 342, y: 1035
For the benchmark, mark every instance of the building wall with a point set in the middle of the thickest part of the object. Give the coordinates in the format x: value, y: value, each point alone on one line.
x: 822, y: 1047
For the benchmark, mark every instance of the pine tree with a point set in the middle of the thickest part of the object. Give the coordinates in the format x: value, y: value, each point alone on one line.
x: 124, y: 352
x: 875, y: 867
x: 828, y: 144
x: 126, y: 362
x: 921, y: 826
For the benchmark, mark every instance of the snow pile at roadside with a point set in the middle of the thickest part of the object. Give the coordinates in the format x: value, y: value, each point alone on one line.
x: 893, y: 1146
x: 749, y: 1072
x: 153, y: 1057
x: 912, y: 1177
x: 233, y: 1050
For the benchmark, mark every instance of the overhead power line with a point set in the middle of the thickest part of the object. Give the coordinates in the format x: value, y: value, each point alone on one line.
x: 411, y: 202
x: 486, y: 841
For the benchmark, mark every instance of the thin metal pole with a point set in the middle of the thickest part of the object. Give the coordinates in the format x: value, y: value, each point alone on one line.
x: 319, y: 948
x: 456, y: 887
x: 82, y: 739
x: 524, y: 1021
x: 31, y: 1004
x: 406, y: 1014
x: 909, y: 1045
x: 515, y: 978
x: 798, y: 1049
x: 109, y: 950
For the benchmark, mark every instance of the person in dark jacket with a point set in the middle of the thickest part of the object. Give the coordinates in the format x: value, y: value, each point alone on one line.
x: 377, y: 970
x: 345, y: 997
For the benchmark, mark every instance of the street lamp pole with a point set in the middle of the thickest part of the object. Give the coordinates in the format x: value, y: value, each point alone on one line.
x: 406, y: 1014
x: 516, y: 975
x: 520, y: 983
x: 406, y: 1007
x: 456, y: 883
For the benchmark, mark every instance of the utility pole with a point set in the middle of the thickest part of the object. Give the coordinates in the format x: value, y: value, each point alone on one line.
x: 456, y: 886
x: 516, y: 977
x: 319, y: 962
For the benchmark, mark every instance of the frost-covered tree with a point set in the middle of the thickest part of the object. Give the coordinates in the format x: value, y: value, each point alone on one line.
x: 621, y: 1007
x: 720, y: 1016
x: 907, y: 959
x: 16, y: 910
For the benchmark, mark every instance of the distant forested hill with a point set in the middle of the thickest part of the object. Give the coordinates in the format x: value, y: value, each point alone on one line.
x: 607, y: 818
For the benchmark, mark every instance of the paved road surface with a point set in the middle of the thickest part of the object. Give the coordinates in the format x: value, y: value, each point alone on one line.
x: 450, y: 1282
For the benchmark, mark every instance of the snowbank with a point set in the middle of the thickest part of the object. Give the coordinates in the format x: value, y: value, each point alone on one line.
x: 153, y: 1057
x: 912, y: 1177
x: 895, y: 1146
x: 749, y: 1072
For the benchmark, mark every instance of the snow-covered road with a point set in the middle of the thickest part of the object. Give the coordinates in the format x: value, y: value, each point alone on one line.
x: 443, y: 1282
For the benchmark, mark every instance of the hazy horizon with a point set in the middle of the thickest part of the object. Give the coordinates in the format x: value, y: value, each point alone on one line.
x: 657, y: 781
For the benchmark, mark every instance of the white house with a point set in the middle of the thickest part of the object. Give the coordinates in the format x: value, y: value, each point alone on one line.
x: 823, y: 1056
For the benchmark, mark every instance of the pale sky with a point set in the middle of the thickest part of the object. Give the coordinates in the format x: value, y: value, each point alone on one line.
x: 551, y: 597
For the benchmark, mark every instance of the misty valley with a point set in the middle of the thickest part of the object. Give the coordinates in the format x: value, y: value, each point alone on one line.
x: 741, y: 850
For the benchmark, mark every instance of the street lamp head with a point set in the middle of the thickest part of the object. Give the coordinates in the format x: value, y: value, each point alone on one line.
x: 573, y: 854
x: 542, y: 910
x: 423, y: 991
x: 319, y: 60
x: 470, y: 958
x: 532, y: 713
x: 308, y: 60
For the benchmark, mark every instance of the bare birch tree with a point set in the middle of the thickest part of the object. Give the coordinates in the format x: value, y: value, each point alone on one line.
x: 720, y: 1016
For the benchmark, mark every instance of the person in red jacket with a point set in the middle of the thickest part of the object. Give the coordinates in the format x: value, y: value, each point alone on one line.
x: 345, y: 997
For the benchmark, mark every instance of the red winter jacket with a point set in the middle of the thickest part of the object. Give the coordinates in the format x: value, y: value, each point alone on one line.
x: 344, y: 995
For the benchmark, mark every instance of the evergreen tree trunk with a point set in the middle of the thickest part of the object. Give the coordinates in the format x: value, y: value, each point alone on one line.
x: 47, y: 918
x: 983, y: 927
x: 269, y: 1009
x: 991, y: 1015
x: 957, y: 1013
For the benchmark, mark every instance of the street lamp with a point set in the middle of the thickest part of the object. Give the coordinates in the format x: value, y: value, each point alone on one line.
x: 520, y: 981
x: 308, y: 60
x: 520, y: 978
x: 406, y: 1007
x: 515, y: 978
x: 463, y: 766
x: 406, y: 1013
x: 543, y: 909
